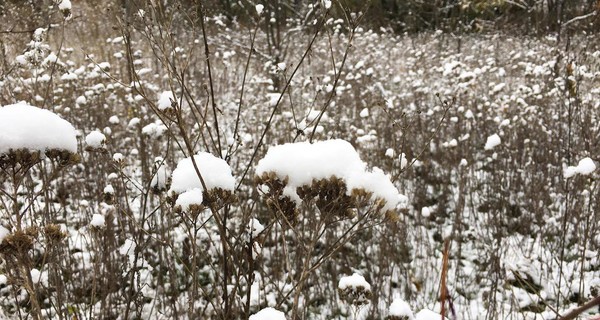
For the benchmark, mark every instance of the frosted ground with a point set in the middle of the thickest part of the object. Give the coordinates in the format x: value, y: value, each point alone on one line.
x: 488, y: 142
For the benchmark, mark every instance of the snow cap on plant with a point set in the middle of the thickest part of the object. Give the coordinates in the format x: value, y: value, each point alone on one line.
x: 268, y: 314
x: 29, y: 134
x: 354, y: 289
x: 215, y: 175
x: 400, y: 310
x: 330, y: 172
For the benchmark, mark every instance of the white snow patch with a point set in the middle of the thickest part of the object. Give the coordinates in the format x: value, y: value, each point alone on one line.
x: 259, y: 9
x: 303, y: 162
x: 164, y: 101
x: 215, y: 172
x: 492, y: 142
x: 255, y: 227
x: 95, y: 139
x: 399, y: 308
x: 26, y: 127
x: 354, y: 281
x: 268, y: 314
x: 109, y: 189
x: 97, y: 220
x: 427, y: 314
x: 3, y: 233
x: 585, y: 166
x: 159, y: 180
x: 189, y: 198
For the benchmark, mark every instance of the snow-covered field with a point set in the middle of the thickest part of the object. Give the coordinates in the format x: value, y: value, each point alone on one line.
x: 318, y: 177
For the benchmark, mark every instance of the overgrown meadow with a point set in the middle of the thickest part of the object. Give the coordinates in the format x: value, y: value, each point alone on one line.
x: 491, y: 140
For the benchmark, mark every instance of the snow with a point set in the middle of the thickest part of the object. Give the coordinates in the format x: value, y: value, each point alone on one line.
x: 39, y: 277
x: 492, y: 142
x: 3, y: 233
x: 303, y: 162
x: 256, y: 227
x: 95, y: 139
x: 399, y: 308
x: 113, y: 120
x: 259, y: 9
x: 109, y: 189
x: 128, y: 248
x: 154, y: 130
x: 118, y: 157
x: 97, y: 220
x: 268, y: 314
x: 189, y: 198
x: 354, y: 281
x: 27, y: 127
x: 159, y: 179
x: 64, y: 5
x: 364, y: 113
x: 585, y: 166
x: 427, y: 314
x: 215, y: 172
x: 425, y: 212
x: 389, y: 153
x: 164, y: 101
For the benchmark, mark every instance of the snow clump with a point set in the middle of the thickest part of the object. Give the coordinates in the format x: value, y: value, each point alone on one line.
x: 190, y: 200
x: 585, y: 167
x: 302, y: 162
x: 492, y: 142
x: 215, y: 172
x: 355, y: 289
x: 427, y: 314
x: 95, y: 140
x: 400, y: 309
x: 3, y: 233
x: 268, y: 314
x: 26, y: 127
x: 97, y: 220
x: 164, y: 101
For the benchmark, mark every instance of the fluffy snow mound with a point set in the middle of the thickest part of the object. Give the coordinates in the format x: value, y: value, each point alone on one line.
x: 189, y: 198
x: 215, y: 172
x: 585, y: 167
x: 303, y: 162
x: 26, y: 127
x: 354, y: 281
x: 164, y: 101
x: 426, y: 314
x: 268, y: 314
x: 95, y: 139
x: 399, y: 308
x: 492, y: 142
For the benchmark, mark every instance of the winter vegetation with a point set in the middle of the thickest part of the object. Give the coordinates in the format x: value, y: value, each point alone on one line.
x: 271, y: 160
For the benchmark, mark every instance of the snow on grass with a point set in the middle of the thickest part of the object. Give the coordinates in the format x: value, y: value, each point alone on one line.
x: 268, y: 314
x: 399, y: 308
x: 302, y: 162
x: 26, y: 127
x: 354, y: 281
x: 95, y: 139
x: 190, y: 198
x: 492, y: 142
x: 215, y: 172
